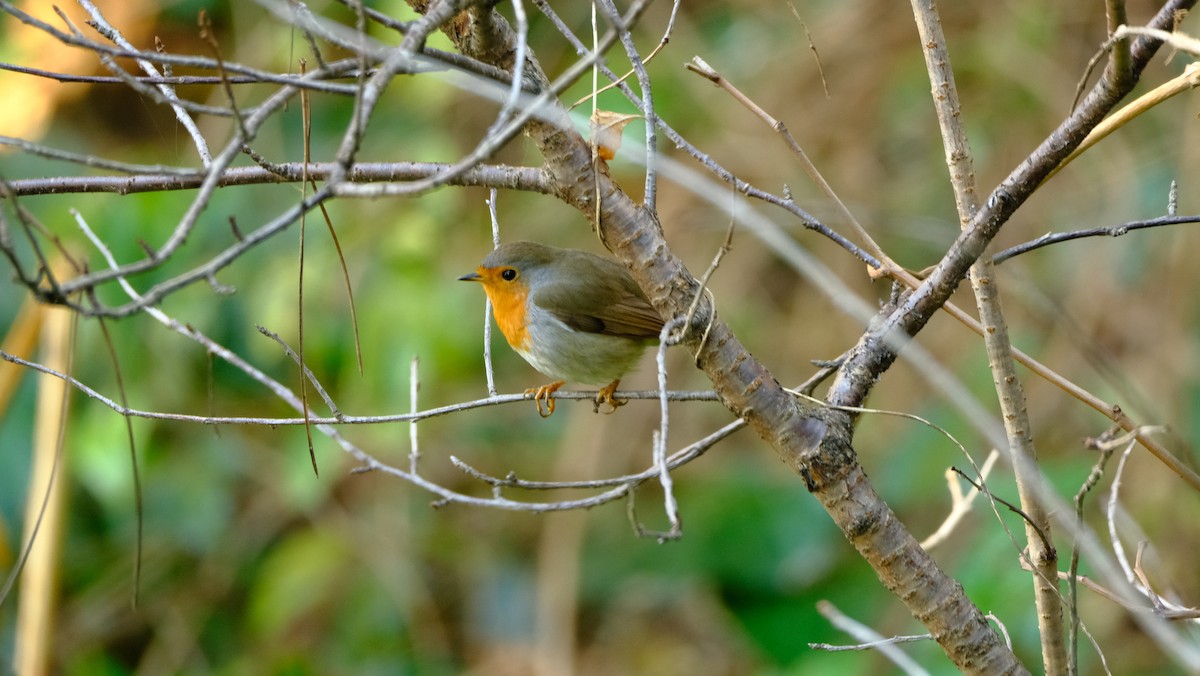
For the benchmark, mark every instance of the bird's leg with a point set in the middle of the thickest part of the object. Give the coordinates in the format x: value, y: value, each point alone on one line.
x: 544, y: 392
x: 605, y: 396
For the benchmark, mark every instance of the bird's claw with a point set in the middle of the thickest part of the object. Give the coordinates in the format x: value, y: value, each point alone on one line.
x: 605, y: 396
x: 543, y: 393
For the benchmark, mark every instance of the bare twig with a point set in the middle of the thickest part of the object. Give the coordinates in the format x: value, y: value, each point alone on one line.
x: 960, y: 504
x: 545, y: 8
x: 1106, y: 451
x: 1109, y: 231
x: 306, y: 373
x: 345, y: 419
x: 698, y: 66
x: 100, y: 24
x: 155, y: 179
x: 812, y: 47
x: 1045, y: 541
x: 489, y: 372
x: 869, y: 639
x: 414, y: 387
x: 208, y: 37
x: 675, y: 460
x: 650, y: 195
x: 665, y: 339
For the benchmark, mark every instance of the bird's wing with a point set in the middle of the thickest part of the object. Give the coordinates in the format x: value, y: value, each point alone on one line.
x: 616, y: 307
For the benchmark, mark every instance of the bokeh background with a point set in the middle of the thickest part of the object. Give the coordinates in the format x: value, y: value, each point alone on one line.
x: 253, y: 565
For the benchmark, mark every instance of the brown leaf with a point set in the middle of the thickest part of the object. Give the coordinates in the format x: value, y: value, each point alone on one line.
x: 606, y: 131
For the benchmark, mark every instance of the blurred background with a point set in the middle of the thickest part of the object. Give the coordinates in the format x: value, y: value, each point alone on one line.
x: 253, y: 565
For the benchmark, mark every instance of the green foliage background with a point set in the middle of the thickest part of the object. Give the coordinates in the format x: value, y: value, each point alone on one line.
x: 252, y: 565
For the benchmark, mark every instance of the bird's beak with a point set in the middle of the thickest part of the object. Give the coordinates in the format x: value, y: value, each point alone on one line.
x: 473, y: 277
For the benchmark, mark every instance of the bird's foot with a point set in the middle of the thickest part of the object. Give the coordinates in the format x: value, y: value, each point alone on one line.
x: 605, y: 396
x: 543, y: 393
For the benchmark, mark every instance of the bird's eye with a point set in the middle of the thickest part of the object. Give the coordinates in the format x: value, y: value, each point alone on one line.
x: 508, y: 274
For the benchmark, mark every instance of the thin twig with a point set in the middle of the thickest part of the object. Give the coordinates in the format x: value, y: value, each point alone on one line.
x: 960, y: 504
x: 1013, y: 508
x: 679, y: 458
x: 306, y: 373
x: 489, y: 371
x: 561, y: 395
x: 650, y: 194
x: 1106, y: 231
x: 812, y: 47
x: 1106, y: 451
x: 414, y: 388
x: 101, y: 24
x: 93, y: 161
x: 698, y: 66
x: 188, y: 221
x: 870, y: 639
x: 545, y: 8
x: 675, y: 530
x: 156, y: 179
x: 703, y: 291
x: 209, y: 38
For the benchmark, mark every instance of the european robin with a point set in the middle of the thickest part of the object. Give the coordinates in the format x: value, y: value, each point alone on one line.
x: 571, y: 314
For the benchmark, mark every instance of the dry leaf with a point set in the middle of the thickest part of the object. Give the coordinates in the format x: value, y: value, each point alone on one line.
x: 606, y: 131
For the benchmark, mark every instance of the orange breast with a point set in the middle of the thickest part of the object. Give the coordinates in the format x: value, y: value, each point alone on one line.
x: 508, y: 305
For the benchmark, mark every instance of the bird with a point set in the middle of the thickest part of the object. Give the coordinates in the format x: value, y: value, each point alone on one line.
x: 573, y: 315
